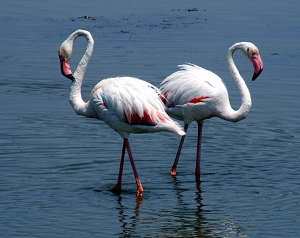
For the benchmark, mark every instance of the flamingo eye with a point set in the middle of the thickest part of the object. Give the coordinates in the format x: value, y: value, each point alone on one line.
x: 248, y: 50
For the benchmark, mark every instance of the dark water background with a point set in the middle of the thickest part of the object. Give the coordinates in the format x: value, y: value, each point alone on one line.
x: 56, y: 168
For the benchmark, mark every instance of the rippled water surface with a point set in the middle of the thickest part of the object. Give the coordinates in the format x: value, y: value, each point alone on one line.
x: 57, y: 168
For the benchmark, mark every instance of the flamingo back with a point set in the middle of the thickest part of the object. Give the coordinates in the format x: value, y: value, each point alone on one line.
x: 134, y: 101
x: 190, y: 84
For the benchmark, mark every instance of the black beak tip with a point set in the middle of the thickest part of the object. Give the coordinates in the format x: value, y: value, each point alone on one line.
x: 70, y: 76
x: 255, y: 75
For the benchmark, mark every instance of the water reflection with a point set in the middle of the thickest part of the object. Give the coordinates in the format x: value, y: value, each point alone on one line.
x: 190, y: 220
x: 182, y: 216
x: 128, y: 225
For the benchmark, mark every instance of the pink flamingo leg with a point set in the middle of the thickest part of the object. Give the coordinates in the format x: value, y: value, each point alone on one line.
x: 139, y: 186
x: 174, y: 167
x: 198, y: 154
x: 117, y: 187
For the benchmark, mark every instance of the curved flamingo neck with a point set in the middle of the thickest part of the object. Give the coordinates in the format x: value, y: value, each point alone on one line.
x: 236, y: 115
x: 79, y: 105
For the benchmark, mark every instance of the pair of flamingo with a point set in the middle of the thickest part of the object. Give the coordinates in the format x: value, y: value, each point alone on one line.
x: 131, y: 105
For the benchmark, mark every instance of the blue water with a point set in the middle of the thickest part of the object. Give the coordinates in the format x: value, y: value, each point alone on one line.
x: 57, y: 168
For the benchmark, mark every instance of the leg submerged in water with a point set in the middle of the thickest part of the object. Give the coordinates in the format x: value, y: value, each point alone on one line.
x: 198, y: 155
x: 139, y: 186
x: 118, y: 187
x: 173, y: 171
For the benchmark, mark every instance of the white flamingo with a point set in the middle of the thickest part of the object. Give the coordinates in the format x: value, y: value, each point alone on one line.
x: 128, y: 105
x: 195, y: 94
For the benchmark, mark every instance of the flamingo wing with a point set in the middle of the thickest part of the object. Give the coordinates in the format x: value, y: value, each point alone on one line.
x: 190, y: 84
x: 134, y: 101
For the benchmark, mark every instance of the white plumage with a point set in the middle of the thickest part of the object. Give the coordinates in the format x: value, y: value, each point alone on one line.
x: 134, y: 104
x: 126, y: 104
x: 189, y: 83
x: 195, y: 94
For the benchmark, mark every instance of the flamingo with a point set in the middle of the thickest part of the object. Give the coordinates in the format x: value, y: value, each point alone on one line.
x: 126, y: 104
x: 195, y: 94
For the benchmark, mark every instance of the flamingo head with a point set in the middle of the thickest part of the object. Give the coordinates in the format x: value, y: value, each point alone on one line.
x: 64, y: 53
x: 253, y: 54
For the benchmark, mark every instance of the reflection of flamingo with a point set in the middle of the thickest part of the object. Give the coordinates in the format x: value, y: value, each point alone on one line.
x: 196, y: 94
x: 128, y: 221
x: 127, y: 105
x: 191, y: 217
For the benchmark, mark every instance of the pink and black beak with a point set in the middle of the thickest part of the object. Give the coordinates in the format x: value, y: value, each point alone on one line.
x: 257, y: 64
x: 65, y: 67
